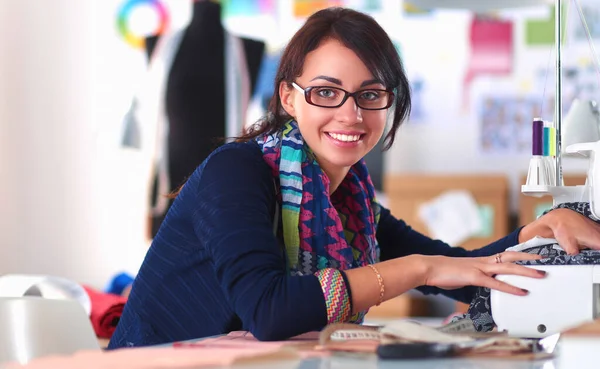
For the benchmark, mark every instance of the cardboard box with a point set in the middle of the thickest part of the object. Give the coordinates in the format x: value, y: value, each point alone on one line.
x: 402, y: 306
x: 406, y: 193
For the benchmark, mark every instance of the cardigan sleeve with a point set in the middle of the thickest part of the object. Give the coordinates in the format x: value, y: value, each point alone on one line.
x: 235, y: 201
x: 397, y: 239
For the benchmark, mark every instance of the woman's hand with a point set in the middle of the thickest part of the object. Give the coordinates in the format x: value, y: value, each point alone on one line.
x: 451, y: 272
x: 572, y: 230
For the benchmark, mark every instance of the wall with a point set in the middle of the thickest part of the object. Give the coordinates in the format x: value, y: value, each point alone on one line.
x: 447, y: 139
x: 435, y: 46
x: 48, y: 152
x: 277, y: 30
x: 74, y: 201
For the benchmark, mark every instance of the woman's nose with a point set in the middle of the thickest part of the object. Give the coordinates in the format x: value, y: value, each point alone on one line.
x: 349, y: 112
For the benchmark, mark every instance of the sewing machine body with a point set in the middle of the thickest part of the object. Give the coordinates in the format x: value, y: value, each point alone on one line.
x: 569, y: 295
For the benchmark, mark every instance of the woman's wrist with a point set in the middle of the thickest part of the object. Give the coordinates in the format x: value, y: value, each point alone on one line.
x: 397, y: 277
x: 524, y: 234
x: 421, y: 265
x: 381, y: 284
x: 536, y: 228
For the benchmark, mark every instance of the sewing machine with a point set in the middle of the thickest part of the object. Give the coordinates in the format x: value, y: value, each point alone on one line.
x: 569, y: 295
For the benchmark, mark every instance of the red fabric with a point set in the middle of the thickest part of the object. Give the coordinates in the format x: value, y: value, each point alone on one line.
x: 107, y: 309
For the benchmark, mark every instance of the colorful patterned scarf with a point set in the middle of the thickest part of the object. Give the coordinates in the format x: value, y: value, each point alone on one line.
x: 321, y: 231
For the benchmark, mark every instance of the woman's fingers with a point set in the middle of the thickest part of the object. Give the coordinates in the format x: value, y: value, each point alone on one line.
x: 514, y: 269
x: 495, y: 284
x: 458, y: 272
x: 508, y: 269
x: 572, y: 230
x: 512, y: 256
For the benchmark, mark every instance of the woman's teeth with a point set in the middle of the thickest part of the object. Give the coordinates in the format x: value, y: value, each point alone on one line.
x: 345, y: 138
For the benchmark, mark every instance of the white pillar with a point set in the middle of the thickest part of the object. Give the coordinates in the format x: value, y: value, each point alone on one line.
x: 53, y: 210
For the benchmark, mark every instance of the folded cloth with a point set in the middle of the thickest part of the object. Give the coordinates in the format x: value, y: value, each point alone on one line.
x: 119, y: 283
x: 107, y: 309
x: 347, y: 338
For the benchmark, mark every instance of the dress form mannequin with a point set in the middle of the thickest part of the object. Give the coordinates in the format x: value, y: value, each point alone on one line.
x: 196, y: 94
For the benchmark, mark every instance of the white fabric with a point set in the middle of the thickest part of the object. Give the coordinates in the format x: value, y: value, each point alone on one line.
x: 51, y: 287
x: 534, y: 242
x: 237, y: 88
x: 151, y: 112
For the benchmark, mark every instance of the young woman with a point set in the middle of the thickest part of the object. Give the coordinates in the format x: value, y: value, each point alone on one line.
x: 280, y: 233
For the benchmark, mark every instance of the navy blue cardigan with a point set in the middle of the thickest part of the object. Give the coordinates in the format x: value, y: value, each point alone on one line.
x: 215, y: 265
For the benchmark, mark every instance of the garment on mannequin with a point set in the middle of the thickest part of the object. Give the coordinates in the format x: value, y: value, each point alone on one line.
x: 196, y: 95
x: 131, y: 126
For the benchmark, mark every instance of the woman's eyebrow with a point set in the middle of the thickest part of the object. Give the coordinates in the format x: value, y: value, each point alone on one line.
x: 370, y: 82
x: 329, y: 79
x: 339, y: 83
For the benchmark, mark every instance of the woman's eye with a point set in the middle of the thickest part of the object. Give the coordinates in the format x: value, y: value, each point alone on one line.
x: 369, y: 95
x: 326, y: 92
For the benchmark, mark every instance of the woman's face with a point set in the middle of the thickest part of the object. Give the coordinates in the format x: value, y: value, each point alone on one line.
x: 341, y: 136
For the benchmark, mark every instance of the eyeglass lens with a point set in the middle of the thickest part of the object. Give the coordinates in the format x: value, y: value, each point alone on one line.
x: 332, y: 97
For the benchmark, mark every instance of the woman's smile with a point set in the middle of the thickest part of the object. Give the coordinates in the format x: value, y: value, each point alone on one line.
x: 345, y: 139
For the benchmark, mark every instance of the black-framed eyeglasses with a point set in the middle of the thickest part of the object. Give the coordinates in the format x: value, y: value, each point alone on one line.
x: 334, y: 97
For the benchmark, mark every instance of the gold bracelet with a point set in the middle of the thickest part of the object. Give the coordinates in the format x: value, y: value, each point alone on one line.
x: 381, y: 284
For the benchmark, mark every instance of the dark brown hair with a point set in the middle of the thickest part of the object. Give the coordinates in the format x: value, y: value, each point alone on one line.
x: 358, y: 32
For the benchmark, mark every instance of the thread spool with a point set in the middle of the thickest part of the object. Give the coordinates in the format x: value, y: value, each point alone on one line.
x: 538, y: 137
x: 547, y: 141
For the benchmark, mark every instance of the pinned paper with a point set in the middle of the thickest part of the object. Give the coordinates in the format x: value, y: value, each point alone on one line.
x: 505, y: 123
x: 304, y: 8
x: 364, y: 5
x: 486, y: 214
x: 491, y: 50
x: 412, y: 9
x: 541, y: 31
x: 452, y: 217
x: 247, y: 7
x: 591, y: 14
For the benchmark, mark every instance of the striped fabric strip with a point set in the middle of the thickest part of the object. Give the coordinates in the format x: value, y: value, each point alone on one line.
x: 337, y: 299
x: 292, y: 156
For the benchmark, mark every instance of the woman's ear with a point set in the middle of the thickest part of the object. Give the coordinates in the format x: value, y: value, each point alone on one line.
x: 286, y: 95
